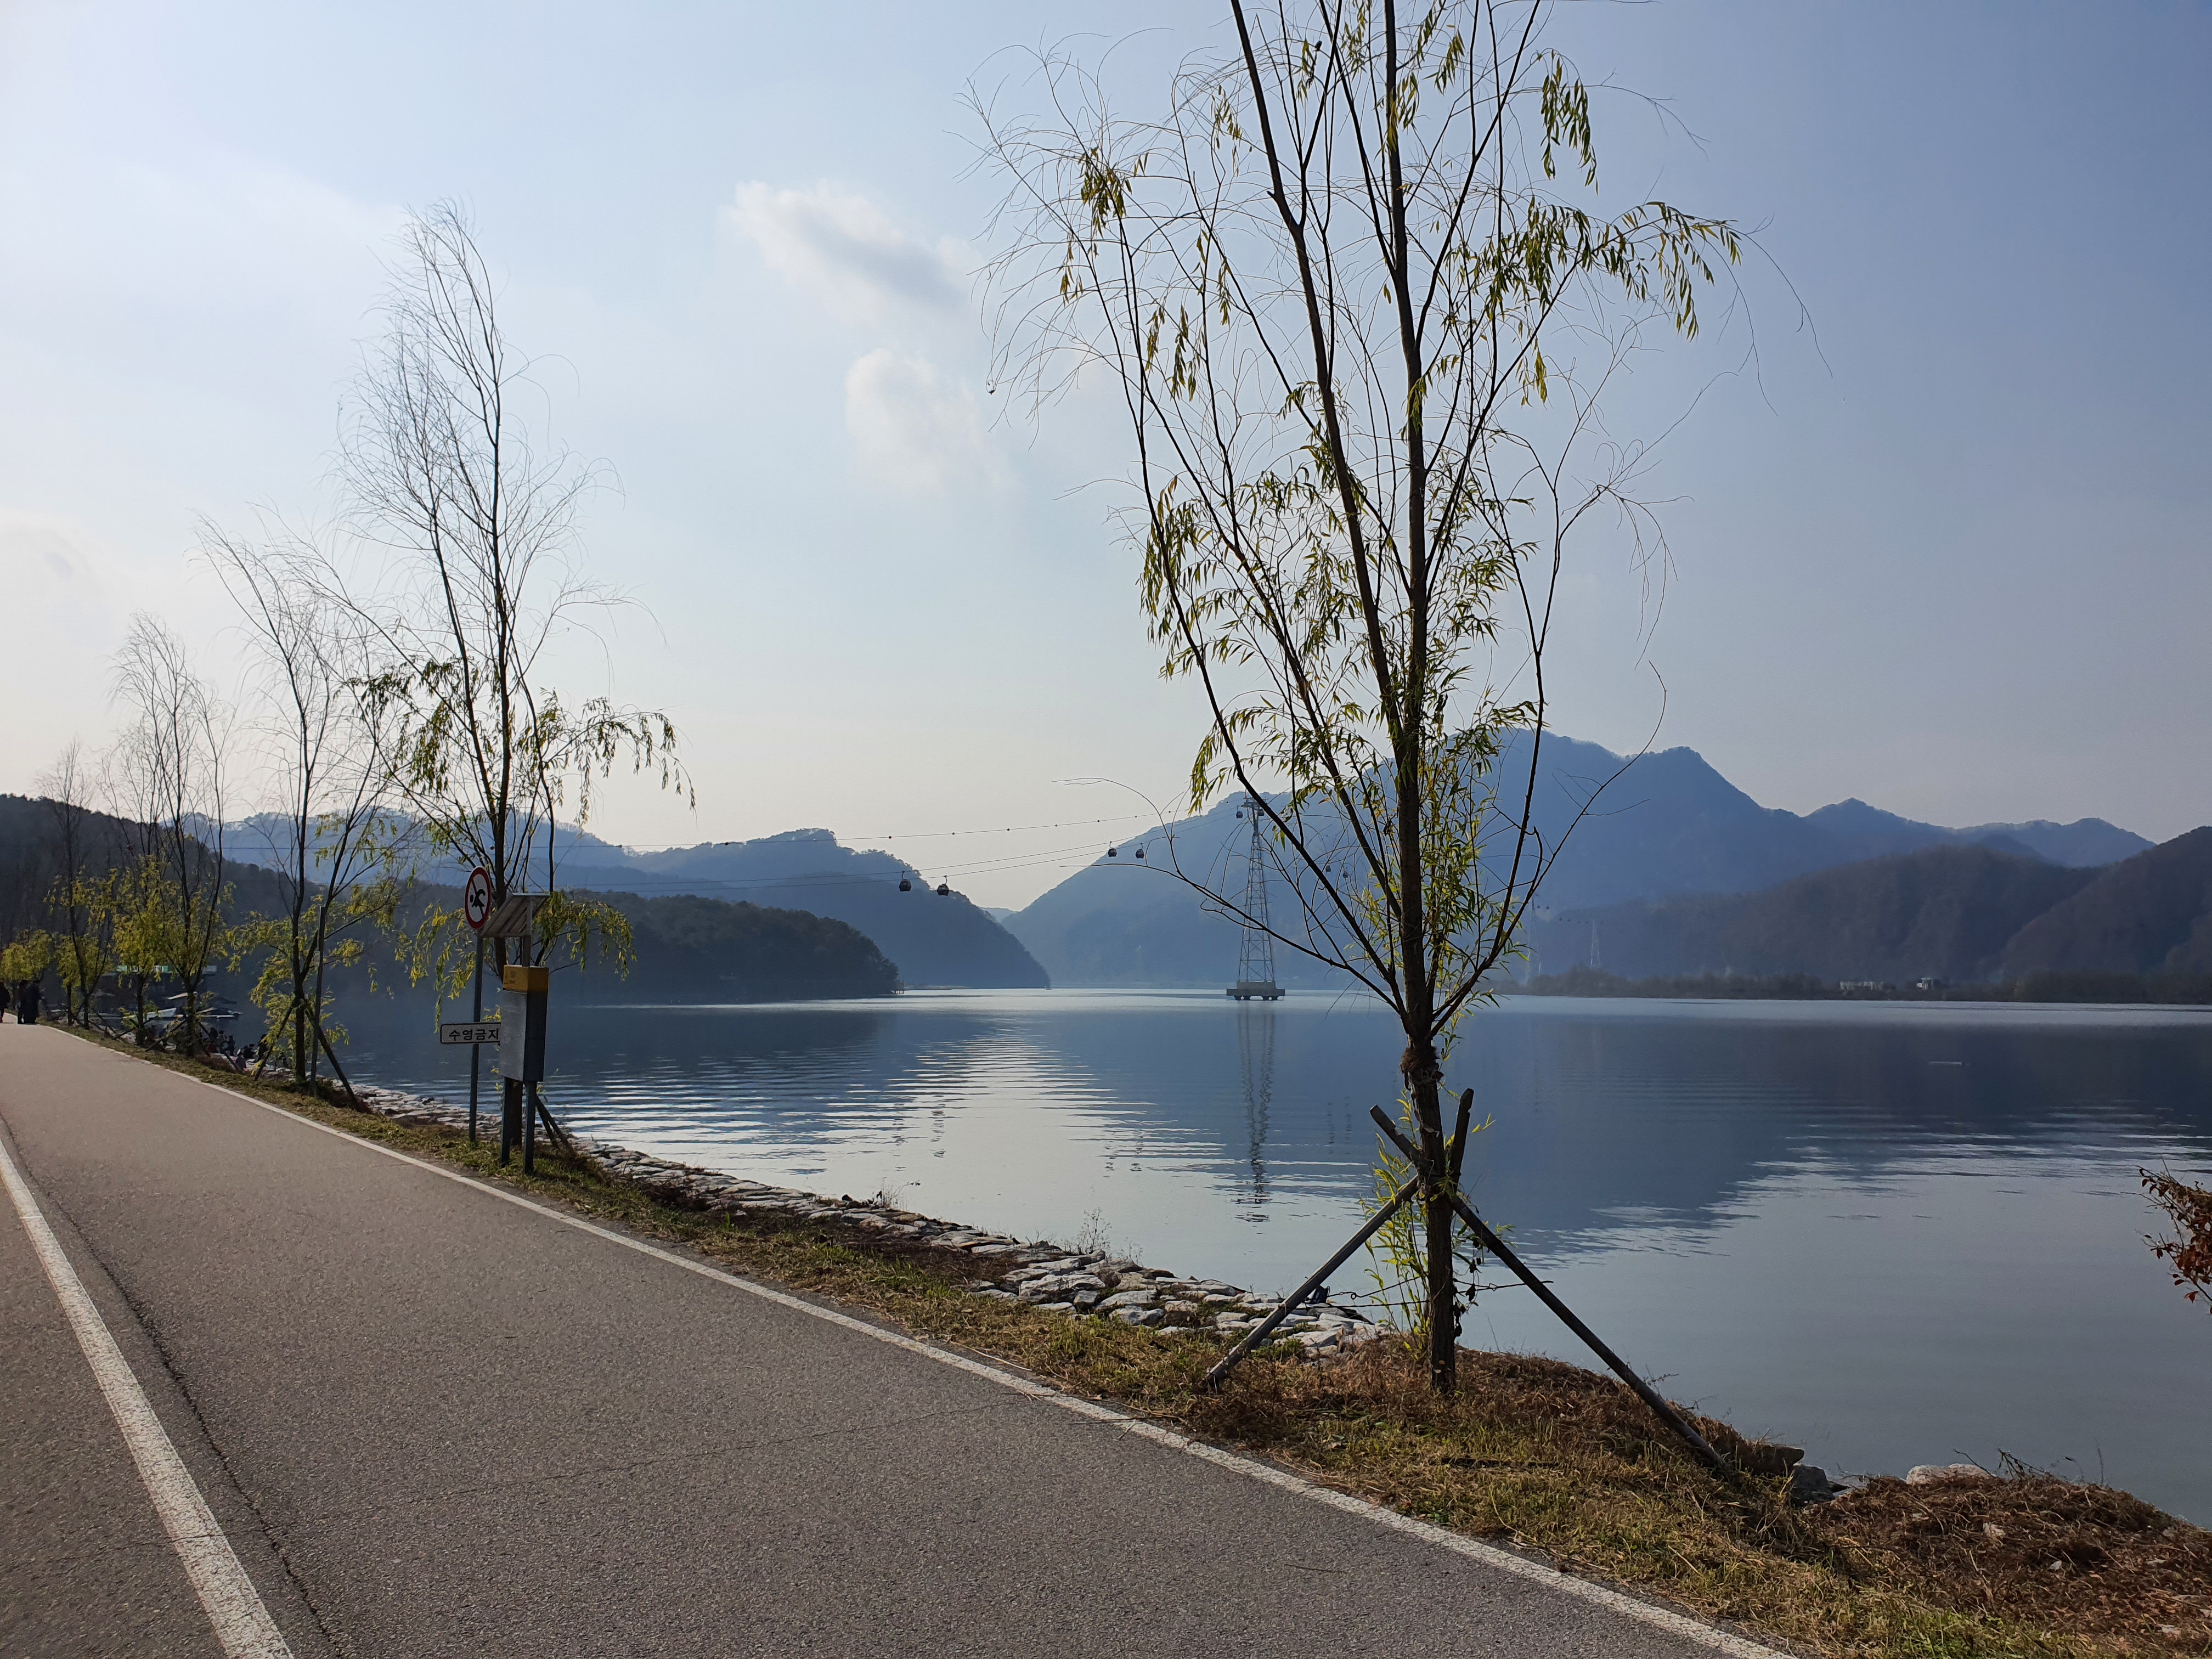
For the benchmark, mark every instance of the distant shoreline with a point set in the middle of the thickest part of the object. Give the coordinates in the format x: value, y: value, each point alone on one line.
x: 2176, y: 990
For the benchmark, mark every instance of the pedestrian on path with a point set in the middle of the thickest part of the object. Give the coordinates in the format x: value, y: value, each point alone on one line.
x: 3, y: 1001
x: 26, y: 1003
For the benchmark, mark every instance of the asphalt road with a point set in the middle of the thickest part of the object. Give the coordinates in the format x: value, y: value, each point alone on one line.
x: 434, y: 1422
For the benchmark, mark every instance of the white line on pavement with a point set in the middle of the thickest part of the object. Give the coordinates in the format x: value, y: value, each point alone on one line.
x: 241, y: 1624
x: 1676, y: 1623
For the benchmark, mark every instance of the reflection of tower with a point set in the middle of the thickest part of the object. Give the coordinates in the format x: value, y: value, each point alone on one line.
x: 1256, y: 1055
x: 1256, y: 955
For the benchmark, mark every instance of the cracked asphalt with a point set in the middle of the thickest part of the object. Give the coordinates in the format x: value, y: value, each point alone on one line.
x: 435, y: 1422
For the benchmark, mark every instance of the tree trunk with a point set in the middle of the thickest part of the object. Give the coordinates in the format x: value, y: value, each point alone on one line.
x: 1423, y: 1079
x: 322, y: 1039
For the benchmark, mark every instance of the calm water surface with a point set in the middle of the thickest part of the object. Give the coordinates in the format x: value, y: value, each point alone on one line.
x: 1890, y: 1233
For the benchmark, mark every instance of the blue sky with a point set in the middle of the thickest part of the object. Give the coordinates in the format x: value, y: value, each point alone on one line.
x: 1949, y: 558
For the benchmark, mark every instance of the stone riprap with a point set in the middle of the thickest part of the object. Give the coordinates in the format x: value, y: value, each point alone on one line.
x: 1080, y: 1284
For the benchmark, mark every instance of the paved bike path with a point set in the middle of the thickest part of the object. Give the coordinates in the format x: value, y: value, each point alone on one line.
x: 434, y: 1422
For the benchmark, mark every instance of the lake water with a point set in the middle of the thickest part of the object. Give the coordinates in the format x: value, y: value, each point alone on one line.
x: 1891, y: 1233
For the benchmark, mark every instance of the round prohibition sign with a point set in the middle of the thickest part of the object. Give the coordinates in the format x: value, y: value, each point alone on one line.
x: 476, y: 898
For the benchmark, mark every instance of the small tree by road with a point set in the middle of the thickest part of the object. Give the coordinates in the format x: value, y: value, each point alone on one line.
x: 466, y: 577
x: 136, y: 909
x: 79, y: 946
x: 1353, y: 295
x: 332, y: 864
x: 24, y: 962
x: 170, y: 773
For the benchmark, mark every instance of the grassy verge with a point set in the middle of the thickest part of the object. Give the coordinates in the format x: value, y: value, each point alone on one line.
x: 1542, y: 1456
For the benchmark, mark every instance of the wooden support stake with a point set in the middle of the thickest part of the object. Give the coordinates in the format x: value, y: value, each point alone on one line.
x: 1490, y: 1242
x: 558, y: 1135
x: 1261, y: 1332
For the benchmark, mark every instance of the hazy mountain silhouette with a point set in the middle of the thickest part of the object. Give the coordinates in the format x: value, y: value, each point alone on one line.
x: 1127, y: 920
x: 949, y: 941
x: 934, y: 941
x: 1867, y: 832
x: 1661, y: 825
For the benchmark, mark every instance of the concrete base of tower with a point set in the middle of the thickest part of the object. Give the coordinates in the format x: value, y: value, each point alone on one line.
x: 1256, y: 990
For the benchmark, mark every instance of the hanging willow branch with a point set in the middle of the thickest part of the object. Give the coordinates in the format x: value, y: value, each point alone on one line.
x: 1361, y: 328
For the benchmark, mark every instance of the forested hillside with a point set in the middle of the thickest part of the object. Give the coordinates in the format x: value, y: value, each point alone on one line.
x: 1948, y: 912
x: 687, y: 948
x: 2152, y: 915
x: 31, y: 863
x: 703, y: 950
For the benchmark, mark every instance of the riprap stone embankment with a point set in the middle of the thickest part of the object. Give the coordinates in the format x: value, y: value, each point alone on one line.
x: 1037, y: 1273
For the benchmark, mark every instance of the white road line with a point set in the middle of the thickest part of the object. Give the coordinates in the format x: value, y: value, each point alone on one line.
x: 241, y: 1624
x: 1676, y: 1623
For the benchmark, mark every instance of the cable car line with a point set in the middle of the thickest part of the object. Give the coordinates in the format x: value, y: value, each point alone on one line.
x: 853, y: 840
x: 1009, y: 829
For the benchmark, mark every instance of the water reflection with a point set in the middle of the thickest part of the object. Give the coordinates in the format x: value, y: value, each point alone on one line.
x: 1896, y: 1234
x: 1255, y: 1056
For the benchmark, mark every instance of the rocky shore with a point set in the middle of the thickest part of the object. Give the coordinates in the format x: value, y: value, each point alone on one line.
x: 1078, y: 1283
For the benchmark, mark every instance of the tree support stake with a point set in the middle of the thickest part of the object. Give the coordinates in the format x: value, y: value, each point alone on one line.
x: 1259, y: 1333
x: 1666, y: 1414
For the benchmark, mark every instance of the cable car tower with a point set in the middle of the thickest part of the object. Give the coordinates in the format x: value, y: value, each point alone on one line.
x: 1255, y: 957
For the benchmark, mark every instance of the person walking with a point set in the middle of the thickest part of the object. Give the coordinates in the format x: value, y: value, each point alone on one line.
x: 3, y: 1001
x: 26, y: 1003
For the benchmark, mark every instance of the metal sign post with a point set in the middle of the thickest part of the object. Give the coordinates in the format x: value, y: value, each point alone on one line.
x: 475, y: 910
x: 522, y: 1052
x: 515, y: 917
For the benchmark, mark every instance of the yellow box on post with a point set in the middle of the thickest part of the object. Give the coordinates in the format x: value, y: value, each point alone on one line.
x: 522, y: 1022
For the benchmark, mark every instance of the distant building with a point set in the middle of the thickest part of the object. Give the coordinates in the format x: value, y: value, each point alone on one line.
x: 1930, y: 982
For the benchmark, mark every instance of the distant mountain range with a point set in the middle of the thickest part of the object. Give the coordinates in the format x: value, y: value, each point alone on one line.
x: 1667, y: 824
x: 934, y: 941
x: 1965, y: 914
x: 1679, y: 870
x: 690, y: 946
x: 1657, y: 828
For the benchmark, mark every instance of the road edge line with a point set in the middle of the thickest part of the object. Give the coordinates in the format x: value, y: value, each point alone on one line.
x: 242, y: 1623
x: 1473, y: 1549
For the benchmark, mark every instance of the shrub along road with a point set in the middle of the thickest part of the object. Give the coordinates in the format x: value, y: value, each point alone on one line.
x: 431, y: 1420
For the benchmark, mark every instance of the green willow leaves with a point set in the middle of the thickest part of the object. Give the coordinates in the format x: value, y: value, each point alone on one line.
x: 1359, y: 333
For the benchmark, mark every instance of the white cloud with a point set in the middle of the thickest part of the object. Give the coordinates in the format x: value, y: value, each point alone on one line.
x: 59, y: 557
x: 914, y: 431
x: 842, y: 246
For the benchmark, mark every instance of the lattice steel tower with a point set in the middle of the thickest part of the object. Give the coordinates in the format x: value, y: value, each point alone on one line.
x: 1256, y: 955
